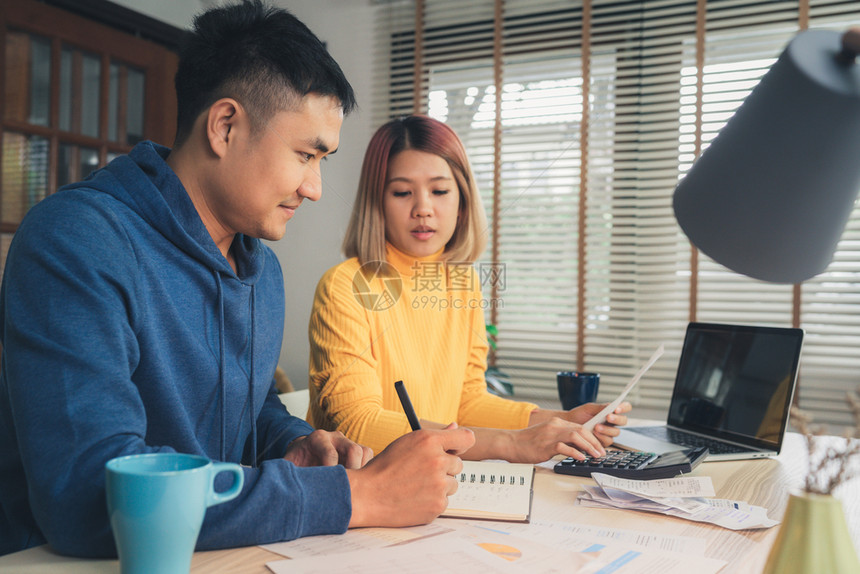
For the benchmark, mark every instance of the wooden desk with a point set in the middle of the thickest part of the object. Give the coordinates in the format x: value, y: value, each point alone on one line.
x: 764, y: 483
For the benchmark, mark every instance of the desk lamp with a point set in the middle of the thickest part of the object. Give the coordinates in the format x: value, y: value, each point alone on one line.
x: 772, y: 194
x: 770, y: 198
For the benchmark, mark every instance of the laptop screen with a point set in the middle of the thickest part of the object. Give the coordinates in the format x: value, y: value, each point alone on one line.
x: 736, y: 382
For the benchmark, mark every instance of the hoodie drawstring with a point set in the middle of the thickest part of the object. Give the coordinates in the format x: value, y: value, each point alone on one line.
x: 222, y: 367
x: 222, y: 383
x: 251, y: 377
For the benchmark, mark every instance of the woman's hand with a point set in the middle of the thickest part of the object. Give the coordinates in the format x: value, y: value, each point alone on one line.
x: 605, y: 432
x: 541, y: 442
x: 549, y: 433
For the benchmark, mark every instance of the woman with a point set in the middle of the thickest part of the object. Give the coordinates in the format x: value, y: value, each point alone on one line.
x: 407, y: 306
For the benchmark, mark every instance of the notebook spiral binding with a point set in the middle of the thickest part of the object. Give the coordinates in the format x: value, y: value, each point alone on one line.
x: 473, y: 478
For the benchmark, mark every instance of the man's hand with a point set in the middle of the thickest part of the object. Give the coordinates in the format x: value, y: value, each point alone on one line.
x: 605, y: 432
x: 324, y: 448
x: 410, y: 481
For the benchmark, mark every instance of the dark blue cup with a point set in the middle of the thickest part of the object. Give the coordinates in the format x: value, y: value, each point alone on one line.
x: 576, y: 388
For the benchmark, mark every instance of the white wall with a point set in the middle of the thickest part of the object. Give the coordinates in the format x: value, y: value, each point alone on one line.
x: 177, y: 13
x: 312, y: 242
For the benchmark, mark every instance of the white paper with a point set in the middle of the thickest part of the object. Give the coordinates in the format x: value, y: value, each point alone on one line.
x: 618, y: 559
x: 603, y: 556
x: 686, y: 499
x: 354, y: 540
x: 678, y: 487
x: 470, y: 548
x: 731, y: 514
x: 567, y: 534
x: 527, y: 553
x: 458, y: 556
x: 621, y: 499
x: 601, y: 416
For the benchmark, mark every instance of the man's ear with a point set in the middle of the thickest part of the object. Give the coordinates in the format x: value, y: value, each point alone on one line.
x: 220, y: 123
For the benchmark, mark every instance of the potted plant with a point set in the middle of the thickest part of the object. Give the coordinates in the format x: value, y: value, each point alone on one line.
x: 814, y: 536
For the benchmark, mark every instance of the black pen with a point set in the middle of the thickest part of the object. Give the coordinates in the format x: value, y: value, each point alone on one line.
x: 407, y: 405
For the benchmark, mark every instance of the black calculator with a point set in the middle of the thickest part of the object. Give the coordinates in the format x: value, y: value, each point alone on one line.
x: 636, y: 464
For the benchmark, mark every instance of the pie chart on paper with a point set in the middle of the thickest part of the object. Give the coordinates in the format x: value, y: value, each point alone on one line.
x: 509, y: 553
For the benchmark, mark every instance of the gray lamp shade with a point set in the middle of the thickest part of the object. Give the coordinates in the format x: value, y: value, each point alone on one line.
x: 772, y: 194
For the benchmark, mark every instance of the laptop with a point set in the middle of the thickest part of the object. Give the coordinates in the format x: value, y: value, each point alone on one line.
x: 732, y: 393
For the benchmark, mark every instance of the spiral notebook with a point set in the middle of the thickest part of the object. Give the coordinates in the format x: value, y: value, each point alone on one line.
x: 493, y: 491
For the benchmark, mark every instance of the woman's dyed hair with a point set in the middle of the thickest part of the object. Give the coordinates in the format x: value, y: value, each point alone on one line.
x: 365, y: 235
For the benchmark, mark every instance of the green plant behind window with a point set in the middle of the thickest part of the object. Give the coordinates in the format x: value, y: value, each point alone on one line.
x: 498, y: 382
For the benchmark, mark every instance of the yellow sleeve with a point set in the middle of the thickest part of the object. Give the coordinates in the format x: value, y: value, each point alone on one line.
x: 478, y: 407
x: 345, y: 391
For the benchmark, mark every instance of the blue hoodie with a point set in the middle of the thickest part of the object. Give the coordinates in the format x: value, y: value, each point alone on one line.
x: 125, y: 330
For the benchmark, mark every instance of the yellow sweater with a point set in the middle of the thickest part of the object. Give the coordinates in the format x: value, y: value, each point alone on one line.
x: 424, y: 325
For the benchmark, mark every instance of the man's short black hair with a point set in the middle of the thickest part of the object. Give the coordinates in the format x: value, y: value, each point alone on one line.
x: 263, y: 57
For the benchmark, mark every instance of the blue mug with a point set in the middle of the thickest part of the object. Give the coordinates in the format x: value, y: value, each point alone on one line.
x: 156, y: 503
x: 576, y: 388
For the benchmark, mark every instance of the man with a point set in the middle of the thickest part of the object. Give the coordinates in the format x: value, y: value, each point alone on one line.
x: 141, y: 312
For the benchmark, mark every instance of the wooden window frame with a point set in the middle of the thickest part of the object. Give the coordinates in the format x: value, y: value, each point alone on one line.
x: 157, y: 59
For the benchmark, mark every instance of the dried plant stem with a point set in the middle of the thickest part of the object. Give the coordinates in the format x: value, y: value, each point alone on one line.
x: 830, y: 459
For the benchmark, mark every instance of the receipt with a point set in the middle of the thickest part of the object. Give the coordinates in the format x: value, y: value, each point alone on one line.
x: 601, y: 416
x: 683, y: 497
x: 678, y: 487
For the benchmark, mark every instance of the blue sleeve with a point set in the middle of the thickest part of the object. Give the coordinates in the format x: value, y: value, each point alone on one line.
x: 69, y: 351
x: 279, y: 502
x: 276, y: 429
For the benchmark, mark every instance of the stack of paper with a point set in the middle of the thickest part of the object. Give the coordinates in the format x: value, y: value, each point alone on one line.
x: 456, y: 546
x: 684, y: 497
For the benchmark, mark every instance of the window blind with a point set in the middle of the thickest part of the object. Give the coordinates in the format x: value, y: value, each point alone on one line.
x: 830, y: 302
x: 602, y: 106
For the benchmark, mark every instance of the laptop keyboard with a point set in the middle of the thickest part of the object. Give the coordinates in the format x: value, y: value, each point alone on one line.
x: 690, y: 440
